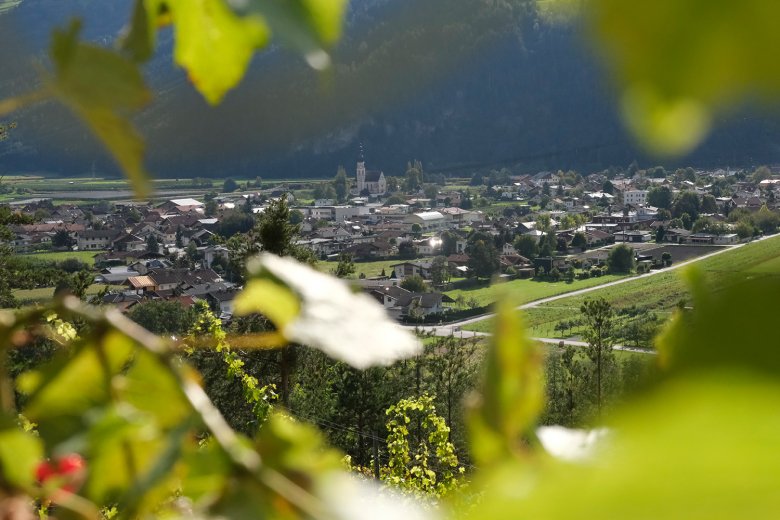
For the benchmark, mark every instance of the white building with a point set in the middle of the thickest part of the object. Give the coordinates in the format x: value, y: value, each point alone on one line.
x: 428, y: 220
x: 635, y: 197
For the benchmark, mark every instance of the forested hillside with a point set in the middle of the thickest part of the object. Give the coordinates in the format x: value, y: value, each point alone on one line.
x: 456, y: 85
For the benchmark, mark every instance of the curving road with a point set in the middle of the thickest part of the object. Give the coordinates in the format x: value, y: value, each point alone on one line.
x: 454, y: 328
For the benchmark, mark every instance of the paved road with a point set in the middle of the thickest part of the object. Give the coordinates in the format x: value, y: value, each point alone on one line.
x: 445, y: 331
x: 454, y: 328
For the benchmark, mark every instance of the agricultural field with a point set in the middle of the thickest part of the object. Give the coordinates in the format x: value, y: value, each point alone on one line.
x: 41, y: 294
x: 88, y: 257
x: 370, y: 269
x: 524, y: 291
x: 658, y: 294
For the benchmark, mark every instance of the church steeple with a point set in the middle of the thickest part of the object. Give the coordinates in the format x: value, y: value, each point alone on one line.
x: 361, y: 171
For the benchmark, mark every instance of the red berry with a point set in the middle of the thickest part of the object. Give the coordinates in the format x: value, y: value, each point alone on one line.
x: 70, y: 464
x: 44, y: 471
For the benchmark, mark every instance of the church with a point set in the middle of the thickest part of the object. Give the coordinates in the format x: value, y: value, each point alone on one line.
x: 369, y: 182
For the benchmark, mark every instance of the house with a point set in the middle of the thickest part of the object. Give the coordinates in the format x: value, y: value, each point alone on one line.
x: 401, y: 303
x: 635, y: 197
x: 93, y: 239
x: 406, y: 269
x: 222, y: 301
x: 633, y: 236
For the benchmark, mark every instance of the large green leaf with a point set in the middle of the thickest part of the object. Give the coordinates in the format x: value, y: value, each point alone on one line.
x: 681, y: 61
x: 102, y: 88
x: 350, y: 327
x: 20, y: 453
x: 512, y: 397
x: 702, y: 447
x: 307, y: 25
x: 214, y: 44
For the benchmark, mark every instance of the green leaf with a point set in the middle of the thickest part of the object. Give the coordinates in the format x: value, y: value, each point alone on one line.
x: 307, y: 25
x: 138, y: 40
x: 214, y: 44
x: 151, y: 388
x: 350, y: 327
x: 679, y: 62
x: 72, y: 384
x: 269, y: 297
x: 699, y: 447
x: 204, y: 473
x: 101, y: 87
x: 513, y: 393
x: 732, y: 327
x: 20, y: 453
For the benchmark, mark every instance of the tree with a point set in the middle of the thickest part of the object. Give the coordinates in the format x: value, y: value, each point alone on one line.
x: 483, y: 259
x: 416, y: 229
x: 345, y: 266
x: 449, y: 243
x: 179, y: 238
x: 660, y: 197
x: 766, y: 220
x: 341, y: 184
x: 709, y: 204
x: 761, y: 173
x: 152, y: 245
x: 413, y: 178
x: 229, y: 186
x: 431, y: 191
x: 687, y: 221
x: 527, y: 246
x: 608, y: 187
x: 406, y: 250
x: 579, y: 240
x: 687, y: 202
x: 296, y: 216
x: 414, y: 284
x: 476, y: 180
x: 621, y: 259
x: 666, y: 257
x: 440, y: 271
x: 210, y: 208
x: 62, y: 239
x: 598, y: 319
x: 163, y: 317
x: 660, y: 233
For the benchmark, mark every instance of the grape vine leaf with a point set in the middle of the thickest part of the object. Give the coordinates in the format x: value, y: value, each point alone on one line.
x: 349, y: 327
x: 513, y: 393
x: 214, y: 44
x: 102, y: 88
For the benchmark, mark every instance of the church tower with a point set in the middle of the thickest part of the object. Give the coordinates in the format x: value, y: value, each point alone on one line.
x: 361, y: 172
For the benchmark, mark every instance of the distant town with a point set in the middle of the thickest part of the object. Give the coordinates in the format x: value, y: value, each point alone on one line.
x: 411, y: 241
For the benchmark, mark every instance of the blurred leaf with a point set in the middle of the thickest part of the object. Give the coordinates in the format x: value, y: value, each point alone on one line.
x: 307, y: 25
x: 138, y: 40
x: 20, y: 453
x: 204, y: 472
x: 512, y: 397
x: 122, y: 445
x: 151, y: 388
x: 269, y: 297
x: 350, y: 327
x: 733, y: 327
x: 703, y: 447
x: 214, y: 44
x: 73, y: 383
x: 681, y: 61
x: 101, y: 87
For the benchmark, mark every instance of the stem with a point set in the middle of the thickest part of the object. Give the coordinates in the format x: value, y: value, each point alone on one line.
x: 15, y: 103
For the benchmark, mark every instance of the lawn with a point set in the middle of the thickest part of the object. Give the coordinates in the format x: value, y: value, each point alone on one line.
x: 370, y: 269
x: 661, y: 293
x: 88, y: 257
x: 30, y: 296
x: 524, y: 291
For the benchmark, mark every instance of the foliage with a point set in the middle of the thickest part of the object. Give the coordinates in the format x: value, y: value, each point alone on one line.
x: 415, y: 284
x: 229, y: 186
x: 440, y: 271
x: 527, y: 246
x: 428, y: 464
x: 621, y: 259
x: 483, y: 258
x: 597, y: 315
x: 345, y: 267
x: 163, y: 317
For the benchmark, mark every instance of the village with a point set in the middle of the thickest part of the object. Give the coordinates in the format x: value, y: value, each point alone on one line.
x: 437, y: 242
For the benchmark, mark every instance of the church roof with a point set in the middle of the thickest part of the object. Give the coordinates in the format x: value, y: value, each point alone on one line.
x: 373, y: 176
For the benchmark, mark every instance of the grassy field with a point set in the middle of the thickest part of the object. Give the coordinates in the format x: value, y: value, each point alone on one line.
x: 524, y: 291
x: 30, y: 296
x: 660, y: 293
x: 88, y: 257
x: 370, y: 269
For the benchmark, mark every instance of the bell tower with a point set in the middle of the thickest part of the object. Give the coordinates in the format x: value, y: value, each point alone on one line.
x: 361, y: 172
